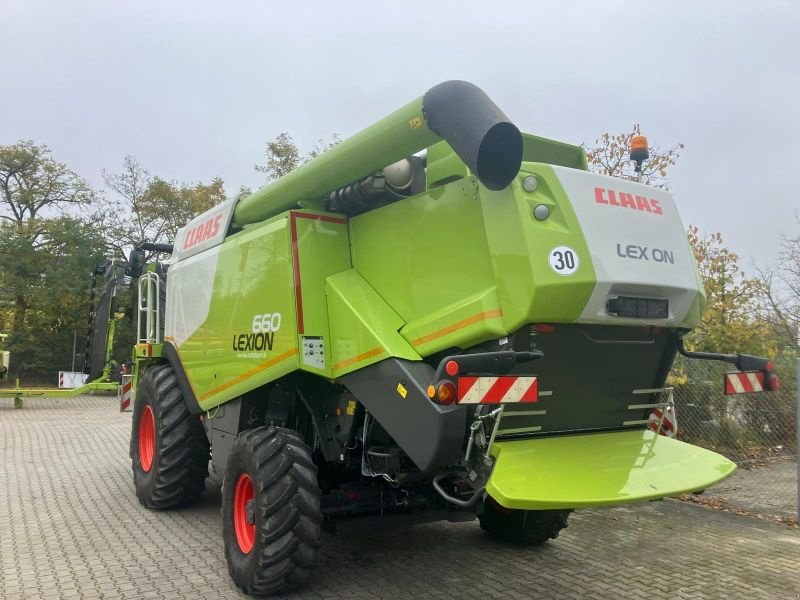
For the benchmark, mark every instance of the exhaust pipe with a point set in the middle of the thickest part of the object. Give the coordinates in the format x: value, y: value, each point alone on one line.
x: 457, y: 112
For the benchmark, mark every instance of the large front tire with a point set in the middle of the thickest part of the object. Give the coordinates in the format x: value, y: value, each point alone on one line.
x: 522, y: 527
x: 271, y: 519
x: 169, y: 448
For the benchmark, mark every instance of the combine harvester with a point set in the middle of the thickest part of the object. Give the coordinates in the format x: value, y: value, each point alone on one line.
x: 381, y: 338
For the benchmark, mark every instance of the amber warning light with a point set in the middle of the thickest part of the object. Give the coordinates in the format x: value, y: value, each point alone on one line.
x: 639, y: 153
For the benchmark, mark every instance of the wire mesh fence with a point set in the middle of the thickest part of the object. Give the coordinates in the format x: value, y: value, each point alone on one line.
x: 757, y: 431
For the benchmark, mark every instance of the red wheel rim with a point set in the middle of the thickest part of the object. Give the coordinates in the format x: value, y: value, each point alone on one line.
x: 245, y: 532
x: 147, y: 438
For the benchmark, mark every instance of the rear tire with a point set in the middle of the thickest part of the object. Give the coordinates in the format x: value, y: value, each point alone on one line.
x: 522, y: 527
x: 169, y: 448
x: 271, y: 519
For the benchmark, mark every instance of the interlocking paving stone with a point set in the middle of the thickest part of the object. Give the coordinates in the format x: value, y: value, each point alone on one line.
x: 70, y: 526
x: 769, y: 488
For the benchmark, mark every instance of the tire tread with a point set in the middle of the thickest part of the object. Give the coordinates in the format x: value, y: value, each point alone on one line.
x: 183, y: 449
x: 288, y: 504
x: 523, y: 527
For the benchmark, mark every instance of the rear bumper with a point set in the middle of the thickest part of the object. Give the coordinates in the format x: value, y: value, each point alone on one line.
x: 581, y: 471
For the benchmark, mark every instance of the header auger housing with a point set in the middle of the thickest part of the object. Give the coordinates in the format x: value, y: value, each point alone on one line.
x: 378, y: 337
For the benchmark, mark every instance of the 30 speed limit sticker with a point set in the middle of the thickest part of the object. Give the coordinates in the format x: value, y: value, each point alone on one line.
x: 564, y: 260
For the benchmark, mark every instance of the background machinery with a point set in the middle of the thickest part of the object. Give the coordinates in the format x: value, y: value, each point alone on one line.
x: 101, y: 372
x: 5, y: 357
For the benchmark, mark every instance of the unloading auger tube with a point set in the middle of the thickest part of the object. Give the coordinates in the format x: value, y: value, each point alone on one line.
x: 455, y: 111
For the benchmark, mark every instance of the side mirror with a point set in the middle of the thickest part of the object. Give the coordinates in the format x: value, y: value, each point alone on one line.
x: 136, y: 263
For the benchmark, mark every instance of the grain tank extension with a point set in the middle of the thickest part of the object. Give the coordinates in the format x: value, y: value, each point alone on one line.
x: 388, y: 337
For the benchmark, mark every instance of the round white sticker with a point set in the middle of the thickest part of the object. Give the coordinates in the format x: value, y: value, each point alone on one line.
x: 564, y: 260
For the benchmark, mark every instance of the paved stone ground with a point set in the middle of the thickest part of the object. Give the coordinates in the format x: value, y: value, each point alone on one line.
x: 770, y: 489
x: 71, y: 527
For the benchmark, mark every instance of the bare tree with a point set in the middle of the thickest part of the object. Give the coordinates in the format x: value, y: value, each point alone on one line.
x: 610, y: 155
x: 122, y: 214
x: 146, y: 207
x: 781, y: 291
x: 283, y: 155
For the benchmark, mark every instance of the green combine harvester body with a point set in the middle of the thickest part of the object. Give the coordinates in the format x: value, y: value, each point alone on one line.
x: 483, y: 331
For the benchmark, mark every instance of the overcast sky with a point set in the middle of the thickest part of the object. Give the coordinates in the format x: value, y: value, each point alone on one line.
x: 194, y: 89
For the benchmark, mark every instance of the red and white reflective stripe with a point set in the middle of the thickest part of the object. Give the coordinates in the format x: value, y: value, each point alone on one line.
x: 497, y: 390
x: 125, y: 399
x: 61, y: 379
x: 744, y: 382
x: 669, y: 425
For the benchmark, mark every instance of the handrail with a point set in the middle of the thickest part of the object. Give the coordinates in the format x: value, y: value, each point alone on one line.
x: 149, y: 309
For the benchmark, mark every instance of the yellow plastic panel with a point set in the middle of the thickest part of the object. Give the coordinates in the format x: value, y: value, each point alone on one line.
x: 579, y: 471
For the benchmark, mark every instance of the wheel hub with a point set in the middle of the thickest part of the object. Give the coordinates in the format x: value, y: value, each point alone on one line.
x: 250, y: 512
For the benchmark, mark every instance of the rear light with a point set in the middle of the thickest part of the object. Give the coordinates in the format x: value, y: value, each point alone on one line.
x: 452, y: 368
x: 446, y: 392
x: 771, y: 381
x: 545, y: 328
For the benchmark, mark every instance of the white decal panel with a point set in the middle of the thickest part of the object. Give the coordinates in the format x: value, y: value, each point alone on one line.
x: 204, y: 231
x: 189, y: 289
x: 637, y: 243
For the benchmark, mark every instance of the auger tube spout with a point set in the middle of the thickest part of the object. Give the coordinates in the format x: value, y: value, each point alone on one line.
x: 455, y: 111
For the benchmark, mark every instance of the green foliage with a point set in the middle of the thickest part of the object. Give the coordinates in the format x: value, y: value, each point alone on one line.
x: 729, y: 322
x: 283, y: 157
x: 48, y: 249
x: 34, y: 190
x: 51, y: 280
x: 173, y: 205
x: 19, y: 266
x: 610, y: 155
x: 31, y: 182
